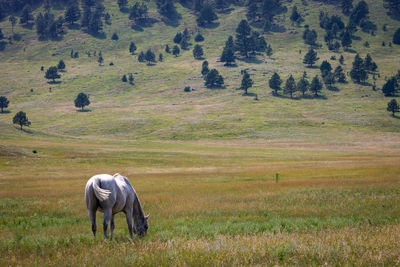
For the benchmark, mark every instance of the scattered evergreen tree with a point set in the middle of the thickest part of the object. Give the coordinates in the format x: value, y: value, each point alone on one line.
x: 13, y: 21
x: 247, y: 82
x: 82, y: 100
x: 160, y: 57
x: 122, y: 4
x: 390, y: 88
x: 138, y: 12
x: 341, y: 59
x: 290, y: 86
x: 296, y: 17
x: 303, y: 84
x: 132, y: 48
x: 26, y: 15
x: 131, y: 79
x: 87, y: 14
x: 176, y: 50
x: 61, y: 65
x: 184, y: 44
x: 359, y: 12
x: 1, y: 34
x: 52, y: 73
x: 114, y: 36
x: 204, y: 68
x: 167, y: 49
x: 199, y: 38
x: 124, y: 79
x: 346, y: 5
x: 100, y: 59
x: 329, y: 78
x: 95, y: 23
x: 21, y: 119
x: 167, y: 9
x: 178, y: 37
x: 242, y: 43
x: 369, y: 64
x: 339, y: 74
x: 206, y: 15
x: 275, y: 83
x: 72, y: 13
x: 197, y: 52
x: 394, y: 8
x: 325, y: 67
x: 186, y: 89
x: 310, y: 58
x: 150, y: 57
x: 316, y: 86
x: 141, y: 57
x: 393, y: 107
x: 213, y: 79
x: 3, y: 103
x: 358, y: 72
x: 310, y: 37
x: 228, y: 54
x: 269, y: 51
x: 396, y: 37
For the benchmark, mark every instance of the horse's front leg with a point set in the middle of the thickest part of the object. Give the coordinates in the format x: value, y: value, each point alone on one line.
x: 112, y: 226
x: 107, y: 218
x: 92, y: 217
x: 129, y: 221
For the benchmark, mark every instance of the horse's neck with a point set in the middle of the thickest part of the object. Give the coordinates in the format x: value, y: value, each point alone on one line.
x: 137, y: 207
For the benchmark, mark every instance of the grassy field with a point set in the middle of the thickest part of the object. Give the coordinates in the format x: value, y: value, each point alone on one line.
x: 204, y: 163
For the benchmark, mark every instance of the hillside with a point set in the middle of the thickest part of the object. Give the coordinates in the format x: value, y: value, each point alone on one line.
x: 156, y: 107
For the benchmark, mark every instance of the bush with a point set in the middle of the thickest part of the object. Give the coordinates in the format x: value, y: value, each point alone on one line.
x: 114, y: 36
x: 187, y: 89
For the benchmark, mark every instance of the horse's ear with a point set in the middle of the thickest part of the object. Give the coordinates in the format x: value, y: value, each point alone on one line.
x: 148, y: 216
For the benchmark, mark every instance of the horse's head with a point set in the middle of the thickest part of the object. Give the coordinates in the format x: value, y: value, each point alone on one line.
x: 141, y: 227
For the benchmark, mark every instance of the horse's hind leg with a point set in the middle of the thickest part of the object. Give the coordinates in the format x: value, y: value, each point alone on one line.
x: 92, y: 217
x: 107, y: 218
x: 112, y: 226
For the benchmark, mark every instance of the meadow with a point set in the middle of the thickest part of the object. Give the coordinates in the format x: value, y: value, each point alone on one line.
x: 227, y: 179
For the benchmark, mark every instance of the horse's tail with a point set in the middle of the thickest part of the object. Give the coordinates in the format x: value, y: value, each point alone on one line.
x: 101, y: 194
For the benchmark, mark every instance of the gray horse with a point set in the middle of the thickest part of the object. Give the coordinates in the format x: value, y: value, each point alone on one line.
x: 112, y: 194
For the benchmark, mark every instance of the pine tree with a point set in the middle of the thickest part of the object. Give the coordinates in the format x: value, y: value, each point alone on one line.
x: 393, y: 107
x: 310, y: 58
x: 213, y: 79
x: 269, y: 51
x: 21, y: 119
x: 150, y: 57
x: 396, y: 37
x: 358, y: 72
x: 3, y: 103
x: 100, y: 59
x: 160, y: 57
x: 242, y: 42
x: 132, y: 48
x: 61, y: 65
x: 141, y: 57
x: 52, y: 73
x: 247, y: 82
x: 339, y: 74
x: 131, y: 79
x: 303, y: 84
x: 13, y: 21
x: 228, y: 54
x: 199, y: 38
x: 184, y: 43
x: 341, y: 59
x: 346, y: 5
x: 114, y: 36
x: 204, y: 68
x: 178, y: 37
x: 275, y: 83
x: 325, y: 67
x: 390, y: 88
x: 197, y: 52
x: 359, y: 12
x: 346, y: 39
x: 316, y: 86
x: 290, y: 86
x: 167, y: 49
x: 369, y: 64
x: 296, y: 16
x: 176, y: 50
x: 310, y: 37
x: 72, y: 14
x: 26, y: 15
x: 122, y: 4
x: 206, y: 15
x: 82, y: 100
x: 124, y: 79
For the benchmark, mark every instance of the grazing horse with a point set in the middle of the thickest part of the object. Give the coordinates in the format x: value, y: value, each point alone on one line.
x: 112, y: 194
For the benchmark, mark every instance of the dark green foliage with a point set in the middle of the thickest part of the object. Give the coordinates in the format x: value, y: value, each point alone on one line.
x: 21, y: 119
x: 138, y: 12
x: 46, y: 26
x: 124, y: 79
x: 167, y: 8
x: 391, y: 87
x: 1, y: 34
x: 13, y: 21
x: 325, y: 67
x: 184, y: 44
x: 132, y: 48
x: 393, y: 107
x: 339, y: 74
x: 269, y: 50
x: 176, y: 50
x: 264, y: 11
x: 394, y: 7
x: 167, y: 50
x: 310, y: 37
x: 199, y: 38
x: 26, y: 15
x: 359, y: 12
x: 95, y: 22
x: 368, y: 26
x: 358, y: 72
x: 303, y: 84
x: 228, y: 54
x: 247, y: 82
x: 346, y: 5
x: 243, y: 42
x: 329, y: 78
x: 290, y: 86
x: 178, y: 37
x: 100, y: 59
x: 213, y: 79
x: 204, y: 68
x: 186, y: 89
x: 316, y: 85
x: 275, y: 83
x: 61, y: 65
x: 396, y: 37
x: 82, y: 100
x: 221, y: 4
x: 72, y: 13
x: 197, y: 52
x: 150, y: 57
x: 52, y: 73
x: 122, y: 4
x: 206, y: 16
x: 341, y: 59
x: 131, y: 79
x: 296, y: 16
x: 160, y: 57
x: 369, y: 64
x: 310, y: 58
x: 3, y: 103
x: 114, y: 36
